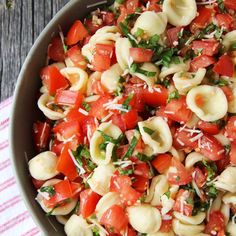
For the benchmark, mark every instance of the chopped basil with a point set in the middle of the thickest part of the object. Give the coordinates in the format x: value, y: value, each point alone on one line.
x: 227, y: 149
x: 212, y: 192
x: 221, y: 82
x: 139, y: 32
x: 109, y: 139
x: 86, y: 106
x: 143, y: 157
x: 167, y: 194
x: 121, y: 79
x: 95, y: 230
x: 211, y: 169
x: 221, y: 6
x: 167, y: 57
x: 131, y: 148
x: 148, y: 130
x: 126, y: 171
x: 48, y: 189
x: 55, y: 207
x: 190, y: 201
x: 125, y: 104
x: 102, y: 146
x: 173, y: 95
x: 120, y: 1
x: 134, y: 68
x: 176, y: 60
x: 233, y: 47
x: 119, y: 91
x: 165, y: 83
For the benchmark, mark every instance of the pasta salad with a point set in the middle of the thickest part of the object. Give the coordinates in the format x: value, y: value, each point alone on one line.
x: 139, y: 128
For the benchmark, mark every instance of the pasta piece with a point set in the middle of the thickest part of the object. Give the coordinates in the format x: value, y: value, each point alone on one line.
x: 43, y: 166
x: 231, y: 228
x: 229, y: 39
x: 171, y: 233
x: 222, y: 139
x: 91, y: 98
x: 184, y: 81
x: 150, y: 67
x: 190, y: 220
x: 100, y: 180
x: 144, y: 218
x: 192, y: 123
x: 99, y: 156
x: 108, y: 200
x: 232, y: 103
x: 226, y: 180
x: 209, y: 103
x: 173, y: 68
x: 160, y: 141
x: 229, y: 198
x: 180, y: 12
x: 65, y: 209
x: 225, y: 210
x: 77, y: 226
x: 49, y: 113
x: 92, y: 78
x: 151, y: 22
x: 193, y: 158
x: 178, y: 154
x: 62, y: 219
x: 122, y: 53
x: 110, y: 78
x: 43, y: 89
x: 78, y: 78
x: 167, y: 204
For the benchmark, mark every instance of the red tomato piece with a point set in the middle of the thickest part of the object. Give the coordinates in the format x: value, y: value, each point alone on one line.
x: 104, y: 49
x: 76, y: 33
x: 206, y: 47
x: 65, y: 165
x: 89, y: 126
x: 55, y: 50
x: 230, y: 4
x: 201, y: 61
x: 140, y: 183
x: 161, y: 112
x: 141, y: 55
x: 199, y: 177
x: 178, y: 174
x: 142, y: 169
x: 130, y: 119
x: 131, y: 5
x: 69, y: 98
x: 166, y: 225
x: 74, y: 114
x: 153, y: 6
x: 118, y: 121
x: 117, y: 182
x: 53, y: 79
x: 209, y: 127
x: 57, y: 147
x: 232, y: 154
x: 88, y: 202
x: 97, y: 88
x: 211, y: 148
x: 75, y: 55
x: 224, y: 20
x: 172, y: 35
x: 123, y: 14
x: 228, y: 93
x: 131, y: 232
x: 215, y: 223
x: 178, y: 111
x: 41, y: 132
x: 202, y: 20
x: 38, y: 183
x: 230, y: 128
x: 108, y: 18
x: 162, y: 162
x: 184, y: 202
x: 224, y: 66
x: 115, y: 218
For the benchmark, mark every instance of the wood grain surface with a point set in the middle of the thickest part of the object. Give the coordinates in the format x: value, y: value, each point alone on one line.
x: 20, y: 24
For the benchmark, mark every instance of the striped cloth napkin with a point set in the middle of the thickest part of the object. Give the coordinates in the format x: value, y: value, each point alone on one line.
x: 15, y: 220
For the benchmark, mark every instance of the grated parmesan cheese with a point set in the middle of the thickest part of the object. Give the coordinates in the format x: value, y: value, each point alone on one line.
x: 82, y: 111
x: 195, y: 138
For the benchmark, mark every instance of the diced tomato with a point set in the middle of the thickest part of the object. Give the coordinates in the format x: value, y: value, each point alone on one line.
x: 76, y: 188
x: 162, y: 162
x: 172, y: 35
x: 201, y: 61
x: 211, y: 148
x: 98, y: 88
x: 215, y: 223
x: 57, y: 147
x: 206, y: 47
x: 89, y: 126
x: 65, y: 165
x: 117, y: 182
x: 199, y: 177
x: 157, y: 97
x: 178, y: 111
x: 166, y: 225
x: 153, y: 6
x: 76, y: 33
x: 202, y: 20
x: 123, y: 14
x: 142, y: 169
x: 184, y: 202
x: 55, y: 50
x: 108, y: 18
x: 91, y: 26
x: 161, y: 112
x: 74, y: 114
x: 222, y: 163
x: 129, y: 195
x: 230, y: 128
x: 209, y: 127
x: 224, y: 20
x: 228, y: 93
x: 104, y: 49
x: 224, y: 66
x: 230, y: 4
x: 75, y: 55
x: 131, y: 5
x: 62, y: 190
x: 232, y: 154
x: 140, y: 183
x: 88, y: 202
x: 53, y: 79
x: 38, y: 183
x: 97, y: 108
x: 118, y: 121
x: 130, y: 119
x: 115, y: 218
x: 69, y: 98
x: 131, y: 232
x: 178, y: 174
x: 41, y: 132
x: 141, y: 55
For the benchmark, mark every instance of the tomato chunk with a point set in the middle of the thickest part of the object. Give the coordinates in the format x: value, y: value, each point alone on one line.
x: 224, y: 66
x: 141, y: 55
x: 232, y: 154
x: 55, y: 50
x: 206, y: 47
x: 215, y: 223
x: 162, y: 162
x: 230, y: 4
x: 140, y: 183
x: 76, y: 57
x: 209, y: 127
x: 202, y: 61
x: 172, y: 35
x: 225, y: 20
x: 230, y: 128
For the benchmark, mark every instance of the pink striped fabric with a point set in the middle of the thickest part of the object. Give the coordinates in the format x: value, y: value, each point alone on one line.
x: 14, y: 217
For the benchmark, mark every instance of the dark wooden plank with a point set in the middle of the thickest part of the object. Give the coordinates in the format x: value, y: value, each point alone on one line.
x: 19, y: 28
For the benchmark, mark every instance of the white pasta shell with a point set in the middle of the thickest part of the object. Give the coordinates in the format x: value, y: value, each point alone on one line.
x: 49, y: 113
x: 229, y: 39
x: 178, y: 154
x: 190, y: 220
x: 62, y: 219
x: 229, y: 198
x: 193, y: 158
x: 161, y: 140
x: 225, y: 210
x: 171, y: 233
x: 144, y: 218
x: 77, y: 226
x: 232, y: 104
x: 92, y: 78
x: 180, y: 12
x: 43, y: 166
x: 231, y: 228
x: 215, y: 102
x: 151, y: 22
x: 222, y: 139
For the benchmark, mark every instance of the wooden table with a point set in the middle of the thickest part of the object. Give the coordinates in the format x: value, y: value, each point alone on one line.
x: 20, y: 24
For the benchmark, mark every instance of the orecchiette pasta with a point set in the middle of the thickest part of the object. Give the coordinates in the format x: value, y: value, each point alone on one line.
x: 229, y: 39
x: 43, y: 166
x: 190, y: 220
x: 229, y: 198
x: 144, y: 218
x: 213, y: 104
x: 231, y: 228
x: 99, y: 156
x: 178, y: 154
x: 184, y: 81
x: 180, y: 12
x: 193, y: 158
x: 171, y: 233
x: 151, y: 22
x: 160, y: 140
x: 232, y: 103
x: 222, y: 139
x: 62, y: 219
x: 95, y: 76
x: 43, y: 104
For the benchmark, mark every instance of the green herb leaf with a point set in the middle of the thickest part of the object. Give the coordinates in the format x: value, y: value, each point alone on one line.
x: 131, y: 148
x: 227, y: 149
x: 48, y: 189
x: 125, y: 30
x: 148, y: 130
x: 167, y: 57
x: 173, y: 95
x: 139, y: 32
x: 167, y: 194
x: 86, y: 106
x: 143, y: 157
x: 212, y: 192
x: 134, y: 68
x: 211, y: 169
x: 233, y: 47
x: 120, y: 1
x: 126, y: 171
x: 125, y: 104
x: 175, y: 60
x: 221, y: 6
x: 109, y: 139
